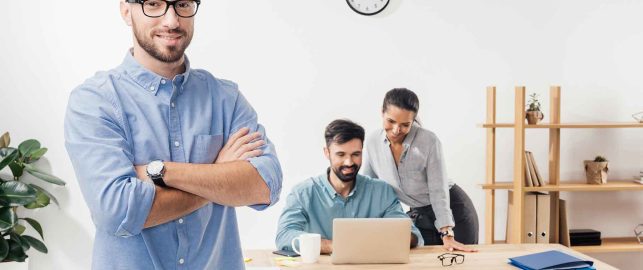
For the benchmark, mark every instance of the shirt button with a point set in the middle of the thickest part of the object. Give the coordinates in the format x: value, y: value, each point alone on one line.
x: 177, y: 144
x: 172, y: 104
x: 180, y: 221
x: 162, y: 81
x: 151, y: 88
x: 181, y: 261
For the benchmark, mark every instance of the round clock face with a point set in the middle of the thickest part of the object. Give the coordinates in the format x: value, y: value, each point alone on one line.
x: 367, y: 7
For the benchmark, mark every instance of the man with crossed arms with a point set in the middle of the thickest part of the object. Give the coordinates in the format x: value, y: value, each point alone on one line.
x: 146, y: 140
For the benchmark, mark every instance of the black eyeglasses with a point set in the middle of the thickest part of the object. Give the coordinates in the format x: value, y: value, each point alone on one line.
x: 449, y: 259
x: 158, y: 8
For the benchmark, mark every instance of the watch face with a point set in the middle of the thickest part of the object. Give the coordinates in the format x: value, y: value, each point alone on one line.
x: 155, y: 167
x: 367, y: 7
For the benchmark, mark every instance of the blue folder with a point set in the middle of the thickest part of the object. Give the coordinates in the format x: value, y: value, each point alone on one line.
x: 552, y: 259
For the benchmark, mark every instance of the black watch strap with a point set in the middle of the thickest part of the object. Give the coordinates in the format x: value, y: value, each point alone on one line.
x: 159, y: 181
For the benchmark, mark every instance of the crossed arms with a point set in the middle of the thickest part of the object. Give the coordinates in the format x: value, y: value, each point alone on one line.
x: 230, y: 181
x: 121, y: 200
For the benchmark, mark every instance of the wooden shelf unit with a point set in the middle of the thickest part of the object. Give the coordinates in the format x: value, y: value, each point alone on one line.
x: 554, y: 186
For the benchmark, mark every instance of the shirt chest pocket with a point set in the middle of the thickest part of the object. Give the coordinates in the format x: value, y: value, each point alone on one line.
x: 414, y: 181
x: 205, y: 148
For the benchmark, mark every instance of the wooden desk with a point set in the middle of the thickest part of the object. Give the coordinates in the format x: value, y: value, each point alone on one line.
x: 488, y: 257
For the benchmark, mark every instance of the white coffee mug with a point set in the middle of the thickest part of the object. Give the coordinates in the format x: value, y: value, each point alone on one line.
x: 309, y: 247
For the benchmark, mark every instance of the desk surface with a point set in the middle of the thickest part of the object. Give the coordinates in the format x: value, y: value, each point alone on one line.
x: 488, y: 257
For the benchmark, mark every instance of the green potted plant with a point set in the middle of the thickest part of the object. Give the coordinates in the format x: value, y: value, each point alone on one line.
x: 17, y: 195
x: 534, y: 115
x: 596, y: 170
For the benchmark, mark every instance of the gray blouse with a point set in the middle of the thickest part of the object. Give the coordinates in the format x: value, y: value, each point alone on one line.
x: 420, y: 179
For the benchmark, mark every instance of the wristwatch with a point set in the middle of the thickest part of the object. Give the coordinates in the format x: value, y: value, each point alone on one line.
x: 155, y: 171
x: 448, y: 232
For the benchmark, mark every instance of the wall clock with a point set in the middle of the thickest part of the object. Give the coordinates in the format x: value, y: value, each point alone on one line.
x: 367, y: 7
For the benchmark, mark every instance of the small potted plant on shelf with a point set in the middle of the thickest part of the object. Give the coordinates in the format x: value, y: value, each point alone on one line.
x: 16, y: 196
x: 534, y: 115
x: 596, y: 170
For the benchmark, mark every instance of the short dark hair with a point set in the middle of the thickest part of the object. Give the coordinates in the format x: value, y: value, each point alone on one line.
x: 402, y: 98
x: 341, y: 131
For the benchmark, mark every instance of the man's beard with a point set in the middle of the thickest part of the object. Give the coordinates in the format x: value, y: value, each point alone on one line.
x: 174, y: 53
x: 346, y: 177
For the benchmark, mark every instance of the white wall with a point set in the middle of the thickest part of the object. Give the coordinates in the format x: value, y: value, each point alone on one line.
x: 304, y: 63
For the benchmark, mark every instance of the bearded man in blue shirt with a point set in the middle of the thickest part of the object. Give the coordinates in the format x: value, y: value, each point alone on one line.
x: 163, y: 152
x: 340, y: 192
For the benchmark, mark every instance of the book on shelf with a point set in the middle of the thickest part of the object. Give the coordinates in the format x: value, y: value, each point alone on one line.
x: 541, y: 181
x: 528, y: 181
x: 532, y: 174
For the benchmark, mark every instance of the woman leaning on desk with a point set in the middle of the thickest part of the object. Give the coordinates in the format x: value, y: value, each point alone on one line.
x: 410, y: 159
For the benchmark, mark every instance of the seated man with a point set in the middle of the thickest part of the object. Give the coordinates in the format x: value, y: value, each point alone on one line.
x: 339, y: 193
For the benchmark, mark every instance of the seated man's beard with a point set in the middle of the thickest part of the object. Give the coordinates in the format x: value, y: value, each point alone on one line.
x: 346, y: 177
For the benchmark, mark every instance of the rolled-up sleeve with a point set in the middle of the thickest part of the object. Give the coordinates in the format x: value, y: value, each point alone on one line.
x: 102, y: 159
x: 292, y: 222
x: 267, y: 164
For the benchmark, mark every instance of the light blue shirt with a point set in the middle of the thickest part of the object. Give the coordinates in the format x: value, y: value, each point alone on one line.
x: 312, y: 205
x: 130, y: 116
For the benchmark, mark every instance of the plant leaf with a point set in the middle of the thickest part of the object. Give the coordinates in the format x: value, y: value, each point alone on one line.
x: 41, y: 201
x: 14, y: 193
x: 4, y: 142
x: 28, y: 146
x: 16, y: 169
x: 24, y: 244
x: 36, y: 226
x: 35, y: 243
x: 16, y: 253
x: 51, y: 196
x: 44, y: 176
x: 8, y: 218
x: 11, y: 155
x: 19, y: 229
x: 36, y: 155
x: 4, y: 248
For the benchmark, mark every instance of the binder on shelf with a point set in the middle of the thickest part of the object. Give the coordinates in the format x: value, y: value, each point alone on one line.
x: 563, y: 227
x: 537, y: 218
x: 529, y: 206
x: 542, y: 218
x: 552, y: 259
x: 541, y: 181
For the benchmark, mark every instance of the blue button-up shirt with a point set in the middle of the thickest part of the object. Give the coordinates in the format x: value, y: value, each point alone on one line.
x: 130, y: 116
x: 312, y: 205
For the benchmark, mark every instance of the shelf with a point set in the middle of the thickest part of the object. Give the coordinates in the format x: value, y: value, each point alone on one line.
x: 498, y: 185
x: 616, y: 244
x: 612, y: 185
x: 577, y: 186
x: 571, y: 125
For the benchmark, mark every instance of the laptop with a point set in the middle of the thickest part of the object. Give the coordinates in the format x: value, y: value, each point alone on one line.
x: 371, y: 240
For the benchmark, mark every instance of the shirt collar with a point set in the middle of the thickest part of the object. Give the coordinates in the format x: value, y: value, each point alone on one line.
x: 407, y: 140
x: 331, y: 190
x: 149, y: 80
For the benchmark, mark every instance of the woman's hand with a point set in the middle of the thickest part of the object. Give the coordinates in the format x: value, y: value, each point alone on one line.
x: 451, y: 245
